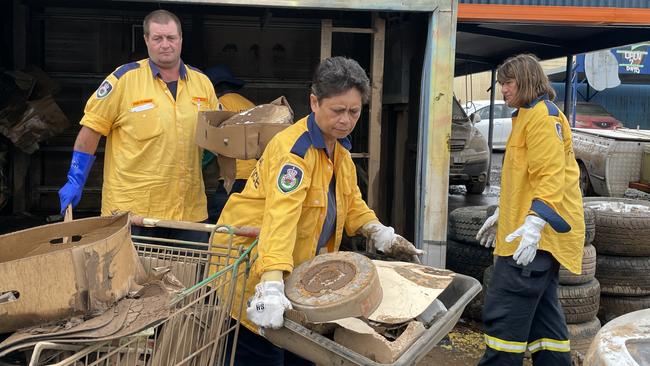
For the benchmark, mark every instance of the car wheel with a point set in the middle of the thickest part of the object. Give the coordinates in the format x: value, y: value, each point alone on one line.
x: 475, y: 188
x: 585, y: 183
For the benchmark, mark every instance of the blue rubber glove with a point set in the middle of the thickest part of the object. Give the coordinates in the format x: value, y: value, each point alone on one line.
x: 71, y: 192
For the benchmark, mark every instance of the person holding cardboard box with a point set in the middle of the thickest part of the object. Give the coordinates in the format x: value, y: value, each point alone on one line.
x: 148, y: 112
x: 303, y: 193
x: 226, y: 86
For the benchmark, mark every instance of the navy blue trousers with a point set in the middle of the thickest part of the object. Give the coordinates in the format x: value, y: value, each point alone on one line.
x: 522, y: 311
x: 218, y: 201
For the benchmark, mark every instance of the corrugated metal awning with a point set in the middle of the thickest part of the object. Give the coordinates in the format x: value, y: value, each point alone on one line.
x: 367, y: 5
x: 487, y: 34
x: 604, y: 3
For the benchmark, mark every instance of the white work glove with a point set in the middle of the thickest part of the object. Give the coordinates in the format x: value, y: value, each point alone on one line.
x: 384, y: 239
x: 266, y: 308
x: 531, y: 233
x: 487, y: 234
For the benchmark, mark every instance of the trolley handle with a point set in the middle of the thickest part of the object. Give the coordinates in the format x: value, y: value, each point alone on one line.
x: 247, y: 231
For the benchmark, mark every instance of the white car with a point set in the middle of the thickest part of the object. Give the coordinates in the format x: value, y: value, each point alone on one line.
x: 502, y: 120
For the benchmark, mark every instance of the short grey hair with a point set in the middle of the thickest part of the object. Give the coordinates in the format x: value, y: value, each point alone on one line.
x: 337, y: 75
x: 161, y: 16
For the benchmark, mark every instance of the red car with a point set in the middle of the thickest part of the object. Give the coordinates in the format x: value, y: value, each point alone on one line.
x: 590, y: 115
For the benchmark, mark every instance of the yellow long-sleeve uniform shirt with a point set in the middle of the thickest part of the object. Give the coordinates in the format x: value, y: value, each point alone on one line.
x: 540, y: 176
x: 152, y: 166
x: 286, y: 196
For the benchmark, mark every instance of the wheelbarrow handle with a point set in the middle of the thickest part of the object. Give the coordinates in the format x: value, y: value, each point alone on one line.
x: 251, y: 232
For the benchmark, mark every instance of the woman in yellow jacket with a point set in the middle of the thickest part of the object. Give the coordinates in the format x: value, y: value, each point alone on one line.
x: 540, y: 225
x: 302, y: 193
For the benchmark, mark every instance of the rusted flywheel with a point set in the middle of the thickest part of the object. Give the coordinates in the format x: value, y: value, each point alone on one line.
x: 334, y: 286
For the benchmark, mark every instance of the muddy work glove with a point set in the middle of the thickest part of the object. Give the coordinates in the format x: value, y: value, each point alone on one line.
x: 487, y: 234
x: 384, y: 239
x: 530, y: 233
x: 71, y: 192
x: 266, y: 308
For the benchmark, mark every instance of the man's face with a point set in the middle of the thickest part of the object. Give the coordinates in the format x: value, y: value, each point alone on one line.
x: 164, y: 44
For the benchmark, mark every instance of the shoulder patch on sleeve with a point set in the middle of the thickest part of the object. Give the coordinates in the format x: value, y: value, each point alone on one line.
x: 124, y: 69
x: 302, y: 145
x: 289, y: 178
x: 104, y: 89
x: 553, y: 110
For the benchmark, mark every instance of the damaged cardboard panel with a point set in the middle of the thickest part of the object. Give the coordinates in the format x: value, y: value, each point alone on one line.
x: 369, y: 343
x: 242, y: 135
x: 55, y: 280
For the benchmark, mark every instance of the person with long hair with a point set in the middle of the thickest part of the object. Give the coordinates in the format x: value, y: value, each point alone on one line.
x: 538, y: 226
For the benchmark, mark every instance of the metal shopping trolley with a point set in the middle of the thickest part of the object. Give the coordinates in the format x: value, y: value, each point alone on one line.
x: 199, y: 330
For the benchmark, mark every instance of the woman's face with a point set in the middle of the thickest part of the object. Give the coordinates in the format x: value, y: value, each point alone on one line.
x: 336, y: 116
x: 509, y: 90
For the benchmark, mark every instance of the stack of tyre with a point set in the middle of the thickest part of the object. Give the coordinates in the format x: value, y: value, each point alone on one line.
x: 623, y: 264
x: 580, y: 294
x: 465, y: 254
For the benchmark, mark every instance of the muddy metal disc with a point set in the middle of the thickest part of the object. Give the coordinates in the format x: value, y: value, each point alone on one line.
x: 333, y: 286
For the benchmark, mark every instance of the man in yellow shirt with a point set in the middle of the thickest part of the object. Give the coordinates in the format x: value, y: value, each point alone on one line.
x: 538, y: 226
x: 148, y: 112
x: 226, y: 86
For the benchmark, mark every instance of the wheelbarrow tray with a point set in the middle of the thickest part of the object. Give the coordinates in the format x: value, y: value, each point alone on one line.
x: 317, y: 348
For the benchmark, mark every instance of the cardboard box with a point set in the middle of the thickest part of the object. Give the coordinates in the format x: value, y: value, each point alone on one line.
x: 55, y: 280
x: 242, y: 135
x: 366, y: 341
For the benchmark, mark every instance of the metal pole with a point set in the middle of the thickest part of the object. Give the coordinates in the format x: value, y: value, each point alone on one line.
x: 567, y: 85
x: 493, y: 79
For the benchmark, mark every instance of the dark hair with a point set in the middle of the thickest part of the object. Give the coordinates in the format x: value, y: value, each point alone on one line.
x: 160, y: 16
x: 531, y: 80
x: 337, y: 75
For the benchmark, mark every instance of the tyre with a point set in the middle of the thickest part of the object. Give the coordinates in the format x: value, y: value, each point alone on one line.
x: 487, y: 276
x: 614, y: 306
x: 465, y: 222
x: 580, y: 303
x: 476, y: 187
x: 622, y: 226
x: 590, y: 225
x: 626, y: 276
x: 581, y: 335
x: 474, y: 309
x: 585, y: 182
x: 588, y: 268
x: 468, y: 259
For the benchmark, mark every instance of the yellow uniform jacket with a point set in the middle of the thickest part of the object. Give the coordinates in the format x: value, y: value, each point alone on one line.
x: 540, y: 176
x: 286, y: 196
x: 152, y: 166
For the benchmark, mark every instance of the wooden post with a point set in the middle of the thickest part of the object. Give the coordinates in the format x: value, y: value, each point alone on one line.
x: 325, y: 38
x: 435, y: 132
x: 398, y: 219
x: 20, y: 159
x: 377, y: 82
